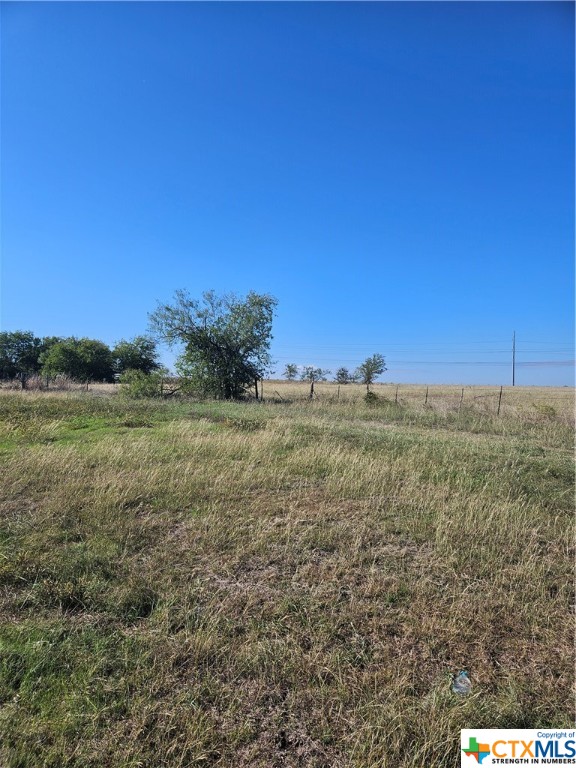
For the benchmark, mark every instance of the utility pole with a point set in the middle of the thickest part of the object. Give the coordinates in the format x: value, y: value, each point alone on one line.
x: 514, y: 359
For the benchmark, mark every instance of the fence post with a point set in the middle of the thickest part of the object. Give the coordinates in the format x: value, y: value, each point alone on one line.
x: 461, y: 398
x: 426, y: 398
x: 396, y: 396
x: 499, y: 401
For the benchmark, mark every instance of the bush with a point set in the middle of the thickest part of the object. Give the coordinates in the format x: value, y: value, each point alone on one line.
x: 137, y: 384
x: 546, y: 410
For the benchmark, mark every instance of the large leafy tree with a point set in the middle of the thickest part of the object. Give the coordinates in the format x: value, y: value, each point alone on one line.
x: 81, y: 359
x: 226, y: 339
x: 371, y: 368
x: 140, y: 354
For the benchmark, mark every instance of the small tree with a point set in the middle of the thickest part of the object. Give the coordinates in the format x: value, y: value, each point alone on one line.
x: 140, y: 354
x: 291, y: 371
x: 226, y: 339
x: 370, y: 369
x: 312, y: 374
x: 343, y: 376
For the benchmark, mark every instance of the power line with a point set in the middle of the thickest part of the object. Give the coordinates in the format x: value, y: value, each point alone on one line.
x: 332, y: 351
x: 467, y: 344
x: 468, y: 362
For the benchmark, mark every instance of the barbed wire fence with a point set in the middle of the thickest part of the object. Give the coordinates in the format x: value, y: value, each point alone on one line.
x: 496, y: 400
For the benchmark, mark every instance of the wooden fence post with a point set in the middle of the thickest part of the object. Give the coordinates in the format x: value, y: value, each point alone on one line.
x: 461, y: 398
x: 396, y: 396
x: 426, y: 398
x: 499, y: 401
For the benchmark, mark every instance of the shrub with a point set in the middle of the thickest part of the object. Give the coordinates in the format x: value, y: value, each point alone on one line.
x: 137, y: 384
x: 546, y: 410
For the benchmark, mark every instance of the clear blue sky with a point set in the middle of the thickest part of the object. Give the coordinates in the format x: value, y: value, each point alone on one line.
x: 399, y: 175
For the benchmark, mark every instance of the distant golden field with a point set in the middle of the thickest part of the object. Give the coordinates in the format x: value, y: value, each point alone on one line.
x: 515, y: 400
x: 282, y: 583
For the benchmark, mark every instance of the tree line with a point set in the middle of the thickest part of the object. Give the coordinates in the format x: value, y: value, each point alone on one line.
x: 22, y: 355
x: 366, y: 373
x: 224, y: 344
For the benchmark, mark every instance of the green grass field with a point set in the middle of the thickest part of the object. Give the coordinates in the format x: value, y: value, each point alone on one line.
x: 285, y: 583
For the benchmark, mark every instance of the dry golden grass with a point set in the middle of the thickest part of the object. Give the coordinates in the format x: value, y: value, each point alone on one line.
x: 282, y: 584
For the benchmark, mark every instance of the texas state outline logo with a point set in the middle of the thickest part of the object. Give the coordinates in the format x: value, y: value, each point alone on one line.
x: 476, y: 749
